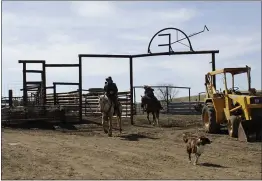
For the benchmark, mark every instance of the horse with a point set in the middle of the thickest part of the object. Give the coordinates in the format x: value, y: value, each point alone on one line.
x: 107, y: 110
x: 152, y: 106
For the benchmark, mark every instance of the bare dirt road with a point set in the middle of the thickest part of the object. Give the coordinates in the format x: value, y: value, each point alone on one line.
x: 141, y: 152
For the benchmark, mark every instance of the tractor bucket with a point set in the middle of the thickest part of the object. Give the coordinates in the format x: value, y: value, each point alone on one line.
x: 250, y: 131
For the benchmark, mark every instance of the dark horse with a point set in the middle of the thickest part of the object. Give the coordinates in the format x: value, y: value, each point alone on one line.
x: 152, y: 106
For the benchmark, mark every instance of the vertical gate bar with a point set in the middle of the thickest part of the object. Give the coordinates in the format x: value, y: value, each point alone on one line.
x: 10, y: 98
x: 80, y: 88
x: 167, y: 101
x: 54, y: 87
x: 44, y: 82
x: 24, y: 85
x: 126, y: 97
x: 135, y: 100
x: 189, y: 98
x: 214, y: 68
x: 131, y: 89
x: 189, y: 94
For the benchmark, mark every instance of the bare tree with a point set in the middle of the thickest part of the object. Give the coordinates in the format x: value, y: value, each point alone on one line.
x: 166, y: 92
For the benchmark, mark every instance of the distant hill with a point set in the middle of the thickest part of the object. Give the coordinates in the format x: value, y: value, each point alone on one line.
x: 202, y: 97
x: 193, y: 98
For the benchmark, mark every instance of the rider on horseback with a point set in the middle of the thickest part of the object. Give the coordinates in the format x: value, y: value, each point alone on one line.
x: 111, y: 91
x: 149, y: 92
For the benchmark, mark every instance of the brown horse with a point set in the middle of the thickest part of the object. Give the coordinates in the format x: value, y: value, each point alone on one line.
x: 152, y: 106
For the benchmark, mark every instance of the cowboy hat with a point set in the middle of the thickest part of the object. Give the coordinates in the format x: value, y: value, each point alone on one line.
x: 109, y: 78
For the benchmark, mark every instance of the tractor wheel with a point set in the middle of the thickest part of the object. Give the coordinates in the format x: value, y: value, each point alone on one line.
x: 209, y: 119
x: 233, y: 124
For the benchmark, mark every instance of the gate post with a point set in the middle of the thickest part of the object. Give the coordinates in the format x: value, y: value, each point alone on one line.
x: 10, y: 98
x: 54, y: 94
x: 214, y: 68
x: 80, y: 89
x: 135, y: 112
x: 25, y: 99
x: 131, y: 89
x: 167, y: 100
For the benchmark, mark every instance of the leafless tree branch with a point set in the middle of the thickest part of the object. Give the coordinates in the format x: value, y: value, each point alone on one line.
x: 166, y: 92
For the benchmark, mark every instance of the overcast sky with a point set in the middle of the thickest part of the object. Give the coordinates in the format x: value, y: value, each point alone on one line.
x: 58, y: 31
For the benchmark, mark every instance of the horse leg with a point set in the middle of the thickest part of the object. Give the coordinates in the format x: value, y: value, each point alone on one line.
x: 104, y: 121
x: 157, y: 118
x: 119, y: 123
x: 119, y: 110
x: 154, y: 118
x: 148, y: 117
x: 110, y: 125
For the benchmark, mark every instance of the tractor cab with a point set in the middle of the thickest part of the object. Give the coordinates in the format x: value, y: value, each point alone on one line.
x: 233, y: 88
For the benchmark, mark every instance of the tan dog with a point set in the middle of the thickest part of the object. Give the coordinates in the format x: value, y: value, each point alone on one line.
x: 195, y: 145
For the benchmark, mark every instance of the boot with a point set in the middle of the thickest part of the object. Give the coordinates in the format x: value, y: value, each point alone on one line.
x: 115, y: 108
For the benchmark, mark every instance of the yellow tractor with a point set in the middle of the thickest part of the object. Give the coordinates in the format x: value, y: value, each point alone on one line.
x: 240, y: 111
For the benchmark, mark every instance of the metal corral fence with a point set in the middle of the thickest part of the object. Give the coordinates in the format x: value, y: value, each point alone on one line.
x: 182, y: 108
x: 59, y: 106
x: 4, y: 102
x: 90, y: 105
x: 66, y: 99
x: 175, y: 108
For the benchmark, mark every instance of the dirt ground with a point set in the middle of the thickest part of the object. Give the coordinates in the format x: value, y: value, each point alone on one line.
x: 141, y: 152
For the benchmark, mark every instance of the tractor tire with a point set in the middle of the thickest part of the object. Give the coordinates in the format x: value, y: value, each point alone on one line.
x: 209, y: 119
x: 233, y: 124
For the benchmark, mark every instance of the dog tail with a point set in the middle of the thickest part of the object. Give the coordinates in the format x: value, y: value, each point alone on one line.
x: 185, y: 138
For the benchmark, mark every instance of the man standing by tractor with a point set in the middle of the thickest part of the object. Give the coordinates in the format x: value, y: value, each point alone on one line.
x: 111, y: 91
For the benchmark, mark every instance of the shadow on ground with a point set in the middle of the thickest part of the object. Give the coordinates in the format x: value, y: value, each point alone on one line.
x: 42, y: 125
x: 136, y: 137
x: 212, y: 165
x: 143, y: 126
x: 32, y: 125
x: 85, y: 129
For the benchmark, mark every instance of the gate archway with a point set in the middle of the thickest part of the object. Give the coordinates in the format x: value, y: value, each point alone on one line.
x: 149, y: 54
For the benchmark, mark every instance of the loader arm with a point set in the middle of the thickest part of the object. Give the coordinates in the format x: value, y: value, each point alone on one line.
x: 210, y: 89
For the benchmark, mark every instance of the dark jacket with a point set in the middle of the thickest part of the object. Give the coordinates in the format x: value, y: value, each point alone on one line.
x: 149, y: 92
x: 111, y: 87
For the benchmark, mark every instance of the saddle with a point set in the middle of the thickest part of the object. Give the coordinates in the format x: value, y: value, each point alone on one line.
x: 116, y: 104
x: 152, y: 97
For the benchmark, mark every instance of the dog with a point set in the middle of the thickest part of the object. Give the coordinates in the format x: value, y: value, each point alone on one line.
x: 195, y: 145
